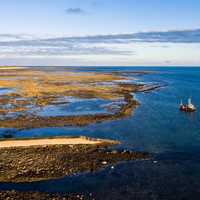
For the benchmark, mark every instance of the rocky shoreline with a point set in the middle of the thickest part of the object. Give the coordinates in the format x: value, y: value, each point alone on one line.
x: 16, y: 195
x: 36, y: 163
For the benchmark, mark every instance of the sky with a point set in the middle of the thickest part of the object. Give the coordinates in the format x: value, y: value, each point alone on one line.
x: 100, y: 32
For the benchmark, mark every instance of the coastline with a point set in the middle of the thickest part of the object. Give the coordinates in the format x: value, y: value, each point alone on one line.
x: 39, y: 162
x: 41, y: 159
x: 35, y: 89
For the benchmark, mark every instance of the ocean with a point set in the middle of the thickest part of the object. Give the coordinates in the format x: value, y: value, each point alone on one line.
x: 156, y: 126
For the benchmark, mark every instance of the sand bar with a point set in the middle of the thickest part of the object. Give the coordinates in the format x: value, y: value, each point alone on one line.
x: 51, y: 141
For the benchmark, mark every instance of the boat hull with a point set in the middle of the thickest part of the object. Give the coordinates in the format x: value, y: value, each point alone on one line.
x: 186, y: 109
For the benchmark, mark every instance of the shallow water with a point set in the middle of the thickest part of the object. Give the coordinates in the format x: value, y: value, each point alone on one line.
x: 157, y: 126
x: 74, y: 108
x: 4, y: 91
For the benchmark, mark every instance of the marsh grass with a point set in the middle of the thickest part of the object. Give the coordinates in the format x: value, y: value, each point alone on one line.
x: 37, y: 88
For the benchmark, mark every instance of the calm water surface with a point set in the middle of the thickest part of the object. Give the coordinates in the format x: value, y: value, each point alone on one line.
x: 157, y: 126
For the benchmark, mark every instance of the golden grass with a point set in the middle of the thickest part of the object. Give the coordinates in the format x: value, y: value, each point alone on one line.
x: 42, y: 88
x: 31, y: 84
x: 37, y: 88
x: 34, y: 88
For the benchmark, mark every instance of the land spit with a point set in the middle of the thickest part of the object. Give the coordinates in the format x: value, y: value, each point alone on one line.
x: 28, y: 142
x: 44, y: 159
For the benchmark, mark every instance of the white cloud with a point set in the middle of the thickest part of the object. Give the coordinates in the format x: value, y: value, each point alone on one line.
x: 148, y: 48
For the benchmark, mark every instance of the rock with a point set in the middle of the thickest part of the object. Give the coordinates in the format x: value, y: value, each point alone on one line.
x: 114, y: 152
x: 58, y: 161
x: 104, y: 162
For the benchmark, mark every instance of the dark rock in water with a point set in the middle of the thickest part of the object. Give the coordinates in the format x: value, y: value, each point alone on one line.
x: 15, y: 195
x: 7, y: 135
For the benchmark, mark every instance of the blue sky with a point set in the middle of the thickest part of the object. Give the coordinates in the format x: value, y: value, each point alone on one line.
x: 100, y: 32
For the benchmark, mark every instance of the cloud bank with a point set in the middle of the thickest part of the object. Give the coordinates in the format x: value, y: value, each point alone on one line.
x: 28, y: 45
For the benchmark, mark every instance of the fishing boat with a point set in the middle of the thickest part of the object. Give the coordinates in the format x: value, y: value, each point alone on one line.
x: 187, y: 108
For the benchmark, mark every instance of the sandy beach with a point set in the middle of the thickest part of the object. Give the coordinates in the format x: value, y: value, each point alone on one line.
x: 51, y: 141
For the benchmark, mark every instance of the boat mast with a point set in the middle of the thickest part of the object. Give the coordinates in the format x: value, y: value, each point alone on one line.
x: 190, y: 101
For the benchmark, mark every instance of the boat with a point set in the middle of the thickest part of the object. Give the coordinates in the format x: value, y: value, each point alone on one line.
x: 187, y: 108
